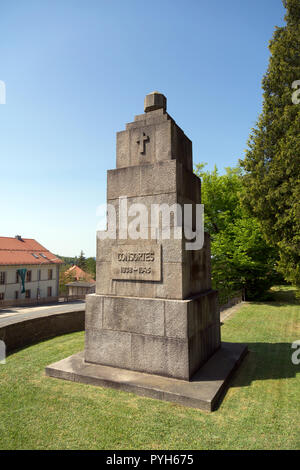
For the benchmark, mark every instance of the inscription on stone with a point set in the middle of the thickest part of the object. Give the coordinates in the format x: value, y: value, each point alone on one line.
x: 136, y: 263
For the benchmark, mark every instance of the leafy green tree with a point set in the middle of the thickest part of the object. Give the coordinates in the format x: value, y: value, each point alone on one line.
x: 241, y: 259
x: 64, y: 278
x: 272, y: 162
x: 91, y: 267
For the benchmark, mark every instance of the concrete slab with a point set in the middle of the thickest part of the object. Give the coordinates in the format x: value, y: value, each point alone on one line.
x: 203, y: 391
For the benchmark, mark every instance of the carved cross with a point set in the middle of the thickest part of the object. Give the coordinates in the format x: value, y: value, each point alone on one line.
x: 142, y: 143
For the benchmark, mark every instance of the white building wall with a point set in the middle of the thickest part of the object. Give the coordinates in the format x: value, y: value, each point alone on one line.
x: 10, y: 286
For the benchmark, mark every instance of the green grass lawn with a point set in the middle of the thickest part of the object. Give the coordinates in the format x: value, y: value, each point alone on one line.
x: 261, y: 409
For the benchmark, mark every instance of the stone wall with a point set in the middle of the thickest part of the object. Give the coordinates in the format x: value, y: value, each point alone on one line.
x: 20, y: 333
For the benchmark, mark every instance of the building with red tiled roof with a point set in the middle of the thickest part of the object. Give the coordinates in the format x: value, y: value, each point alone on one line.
x: 29, y: 273
x: 82, y: 284
x: 79, y: 274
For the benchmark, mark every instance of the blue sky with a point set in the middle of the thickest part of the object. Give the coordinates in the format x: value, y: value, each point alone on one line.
x: 77, y: 71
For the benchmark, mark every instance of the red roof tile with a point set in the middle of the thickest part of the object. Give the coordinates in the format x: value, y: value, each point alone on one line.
x: 79, y: 274
x: 14, y: 251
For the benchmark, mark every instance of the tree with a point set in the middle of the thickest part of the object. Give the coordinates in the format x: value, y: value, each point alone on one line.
x: 64, y: 278
x: 67, y: 259
x: 271, y: 182
x: 91, y: 267
x: 241, y: 259
x: 81, y: 262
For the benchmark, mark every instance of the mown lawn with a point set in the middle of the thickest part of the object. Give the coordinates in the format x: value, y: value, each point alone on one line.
x: 261, y: 410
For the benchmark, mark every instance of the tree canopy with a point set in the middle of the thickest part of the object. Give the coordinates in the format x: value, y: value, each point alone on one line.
x: 81, y: 261
x: 241, y: 258
x: 271, y: 182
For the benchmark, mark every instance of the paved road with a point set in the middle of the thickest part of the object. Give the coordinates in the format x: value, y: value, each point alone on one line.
x: 21, y: 313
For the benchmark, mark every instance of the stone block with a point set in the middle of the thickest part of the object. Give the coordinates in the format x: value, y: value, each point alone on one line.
x: 108, y: 347
x: 124, y: 182
x: 161, y: 200
x: 197, y: 273
x: 152, y: 140
x: 183, y: 273
x: 104, y: 284
x: 181, y: 147
x: 152, y: 118
x: 144, y: 316
x: 172, y: 249
x: 176, y: 318
x: 104, y: 249
x: 171, y: 286
x: 155, y: 100
x: 93, y: 312
x: 162, y: 356
x: 156, y: 184
x: 163, y: 149
x: 188, y: 184
x: 134, y: 288
x: 181, y: 334
x: 158, y: 178
x: 204, y: 391
x: 123, y: 145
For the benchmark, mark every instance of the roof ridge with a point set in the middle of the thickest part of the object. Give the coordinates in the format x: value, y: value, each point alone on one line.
x: 14, y: 238
x: 25, y: 249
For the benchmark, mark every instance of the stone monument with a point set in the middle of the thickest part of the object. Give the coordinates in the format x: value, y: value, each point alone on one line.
x: 153, y: 325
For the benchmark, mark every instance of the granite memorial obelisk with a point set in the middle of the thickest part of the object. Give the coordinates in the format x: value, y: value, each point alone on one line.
x: 153, y: 325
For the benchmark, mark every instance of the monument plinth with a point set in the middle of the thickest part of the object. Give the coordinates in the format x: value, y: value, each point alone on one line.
x: 154, y: 320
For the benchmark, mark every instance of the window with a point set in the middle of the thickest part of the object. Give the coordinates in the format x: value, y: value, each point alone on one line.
x: 28, y: 276
x: 50, y: 274
x: 2, y: 296
x: 2, y: 277
x: 16, y: 294
x: 49, y: 291
x: 27, y: 294
x: 39, y: 275
x: 35, y: 256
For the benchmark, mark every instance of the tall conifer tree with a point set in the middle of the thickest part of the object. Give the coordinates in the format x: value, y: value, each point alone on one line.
x: 272, y: 161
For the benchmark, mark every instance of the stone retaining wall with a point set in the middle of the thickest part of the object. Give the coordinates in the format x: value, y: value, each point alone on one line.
x: 231, y: 302
x: 27, y: 302
x: 23, y: 332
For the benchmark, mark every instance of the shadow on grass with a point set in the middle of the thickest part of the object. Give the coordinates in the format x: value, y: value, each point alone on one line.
x: 266, y: 361
x: 262, y: 361
x: 280, y: 298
